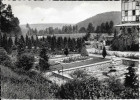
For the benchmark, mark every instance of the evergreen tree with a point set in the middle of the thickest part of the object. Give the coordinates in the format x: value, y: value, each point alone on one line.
x: 53, y: 43
x: 43, y: 61
x: 66, y: 51
x: 59, y: 43
x: 16, y: 40
x: 9, y: 45
x: 0, y: 39
x: 29, y: 43
x: 107, y: 27
x: 65, y: 42
x: 21, y: 46
x: 69, y: 43
x: 4, y: 42
x: 32, y: 41
x: 104, y: 53
x: 90, y: 28
x: 111, y: 25
x: 27, y: 40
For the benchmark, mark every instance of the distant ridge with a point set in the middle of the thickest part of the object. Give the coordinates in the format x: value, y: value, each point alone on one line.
x: 96, y: 20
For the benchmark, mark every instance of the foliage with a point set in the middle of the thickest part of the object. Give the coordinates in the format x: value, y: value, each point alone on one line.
x: 126, y: 41
x: 84, y: 51
x: 73, y: 59
x: 9, y: 23
x: 131, y: 77
x: 104, y: 53
x: 90, y: 28
x: 87, y: 36
x: 43, y: 61
x: 84, y: 89
x: 3, y: 55
x: 66, y: 52
x: 25, y: 62
x: 28, y: 86
x: 79, y: 74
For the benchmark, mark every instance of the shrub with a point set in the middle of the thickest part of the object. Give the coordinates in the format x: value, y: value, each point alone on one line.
x: 72, y: 59
x: 66, y: 52
x: 104, y: 52
x: 84, y: 51
x: 3, y: 55
x: 84, y: 89
x: 25, y: 61
x: 79, y: 74
x: 131, y: 77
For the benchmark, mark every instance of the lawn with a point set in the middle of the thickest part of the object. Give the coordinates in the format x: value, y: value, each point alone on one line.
x: 76, y: 64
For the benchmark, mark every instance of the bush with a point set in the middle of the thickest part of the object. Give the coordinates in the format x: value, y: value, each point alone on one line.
x: 66, y: 52
x: 84, y: 89
x: 73, y: 59
x: 3, y: 55
x: 25, y: 61
x: 79, y: 74
x: 84, y: 51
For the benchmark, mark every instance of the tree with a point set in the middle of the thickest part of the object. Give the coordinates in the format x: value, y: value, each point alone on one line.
x: 21, y: 45
x: 25, y: 61
x: 0, y: 39
x: 131, y: 77
x: 104, y: 53
x: 43, y: 61
x: 16, y: 40
x: 84, y: 51
x: 111, y: 25
x: 9, y: 23
x: 87, y: 36
x: 90, y: 28
x: 4, y: 42
x: 82, y: 30
x: 66, y: 51
x: 10, y: 43
x: 107, y: 27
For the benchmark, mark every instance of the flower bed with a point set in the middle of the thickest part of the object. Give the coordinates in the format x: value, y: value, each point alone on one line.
x: 73, y: 59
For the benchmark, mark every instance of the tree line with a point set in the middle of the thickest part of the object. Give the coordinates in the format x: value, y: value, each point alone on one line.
x: 67, y: 29
x: 51, y: 43
x: 107, y: 27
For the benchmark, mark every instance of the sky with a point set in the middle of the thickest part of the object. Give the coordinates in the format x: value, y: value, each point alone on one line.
x: 69, y: 12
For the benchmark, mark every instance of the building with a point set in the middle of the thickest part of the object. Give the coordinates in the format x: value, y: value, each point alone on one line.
x: 130, y: 13
x: 130, y: 19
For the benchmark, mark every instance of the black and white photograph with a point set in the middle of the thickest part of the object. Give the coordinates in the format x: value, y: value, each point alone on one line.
x: 69, y: 49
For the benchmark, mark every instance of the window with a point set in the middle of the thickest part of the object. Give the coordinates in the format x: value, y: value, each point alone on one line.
x: 126, y: 13
x: 133, y: 12
x: 137, y: 4
x: 137, y: 18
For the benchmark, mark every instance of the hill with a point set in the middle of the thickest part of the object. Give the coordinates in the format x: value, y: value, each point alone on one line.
x: 96, y: 20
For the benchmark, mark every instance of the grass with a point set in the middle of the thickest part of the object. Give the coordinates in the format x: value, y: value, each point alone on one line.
x: 15, y: 86
x: 76, y: 64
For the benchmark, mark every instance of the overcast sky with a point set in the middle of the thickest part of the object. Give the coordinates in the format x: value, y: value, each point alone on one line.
x: 33, y: 12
